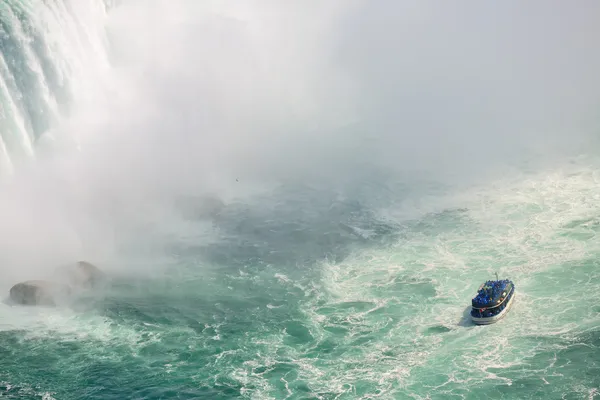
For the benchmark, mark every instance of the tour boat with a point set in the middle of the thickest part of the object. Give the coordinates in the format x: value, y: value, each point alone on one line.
x: 493, y: 300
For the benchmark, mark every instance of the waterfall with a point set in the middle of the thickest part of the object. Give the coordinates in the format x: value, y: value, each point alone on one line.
x: 48, y: 51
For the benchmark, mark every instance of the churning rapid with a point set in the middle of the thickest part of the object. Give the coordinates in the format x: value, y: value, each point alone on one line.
x: 299, y: 199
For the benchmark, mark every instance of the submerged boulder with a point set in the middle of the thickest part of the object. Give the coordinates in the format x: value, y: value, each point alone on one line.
x: 39, y: 293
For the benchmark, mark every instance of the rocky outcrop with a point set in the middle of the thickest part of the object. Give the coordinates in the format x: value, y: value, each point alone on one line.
x: 82, y: 275
x: 68, y: 281
x: 39, y: 293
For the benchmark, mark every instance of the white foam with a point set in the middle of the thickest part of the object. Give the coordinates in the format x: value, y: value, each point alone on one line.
x: 387, y: 299
x: 66, y: 324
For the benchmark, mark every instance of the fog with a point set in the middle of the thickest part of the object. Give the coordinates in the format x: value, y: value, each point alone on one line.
x: 274, y: 91
x: 207, y: 97
x: 469, y: 84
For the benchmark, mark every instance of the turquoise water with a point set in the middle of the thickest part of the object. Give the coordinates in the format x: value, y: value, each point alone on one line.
x: 357, y: 288
x: 297, y: 308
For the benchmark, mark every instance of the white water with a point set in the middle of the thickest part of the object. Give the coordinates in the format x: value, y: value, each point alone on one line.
x: 52, y: 53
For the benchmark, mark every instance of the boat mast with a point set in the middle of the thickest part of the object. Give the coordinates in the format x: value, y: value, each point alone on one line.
x: 497, y: 276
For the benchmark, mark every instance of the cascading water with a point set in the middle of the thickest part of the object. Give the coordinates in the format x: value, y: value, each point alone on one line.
x: 47, y: 49
x: 369, y: 164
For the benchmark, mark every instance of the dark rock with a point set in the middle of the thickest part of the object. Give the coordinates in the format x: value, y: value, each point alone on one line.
x: 39, y: 293
x: 69, y: 281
